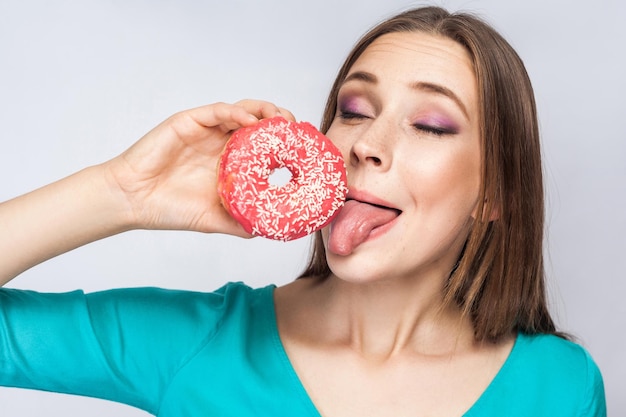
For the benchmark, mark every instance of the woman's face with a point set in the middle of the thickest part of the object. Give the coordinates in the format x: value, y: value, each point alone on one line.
x: 407, y: 124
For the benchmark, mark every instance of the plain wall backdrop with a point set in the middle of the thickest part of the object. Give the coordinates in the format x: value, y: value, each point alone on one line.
x: 80, y: 81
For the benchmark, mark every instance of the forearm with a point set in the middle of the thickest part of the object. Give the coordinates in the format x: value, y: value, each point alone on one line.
x: 57, y: 218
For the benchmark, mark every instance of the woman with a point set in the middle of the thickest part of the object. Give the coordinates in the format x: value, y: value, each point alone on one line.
x: 424, y: 297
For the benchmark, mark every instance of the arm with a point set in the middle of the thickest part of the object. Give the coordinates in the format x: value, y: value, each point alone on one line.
x: 108, y: 345
x: 167, y: 180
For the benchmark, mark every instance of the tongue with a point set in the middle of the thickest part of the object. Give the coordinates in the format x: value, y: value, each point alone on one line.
x: 354, y: 223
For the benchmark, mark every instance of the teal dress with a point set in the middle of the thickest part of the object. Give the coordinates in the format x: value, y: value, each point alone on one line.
x: 184, y: 354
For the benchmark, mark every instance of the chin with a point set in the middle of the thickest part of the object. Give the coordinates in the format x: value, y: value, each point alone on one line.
x: 356, y: 270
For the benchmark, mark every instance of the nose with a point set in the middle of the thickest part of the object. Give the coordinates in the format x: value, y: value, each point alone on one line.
x: 372, y: 148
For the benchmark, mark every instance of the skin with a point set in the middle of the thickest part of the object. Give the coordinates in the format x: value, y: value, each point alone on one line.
x: 376, y: 329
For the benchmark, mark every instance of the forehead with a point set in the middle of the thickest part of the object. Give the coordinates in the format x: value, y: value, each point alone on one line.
x: 410, y: 57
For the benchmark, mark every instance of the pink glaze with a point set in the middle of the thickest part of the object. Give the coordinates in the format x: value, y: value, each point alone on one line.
x: 305, y: 204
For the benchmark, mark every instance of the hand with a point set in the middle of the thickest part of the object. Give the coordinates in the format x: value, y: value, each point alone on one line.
x: 169, y: 177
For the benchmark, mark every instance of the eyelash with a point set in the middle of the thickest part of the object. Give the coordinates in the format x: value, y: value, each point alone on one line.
x: 348, y: 115
x: 433, y: 130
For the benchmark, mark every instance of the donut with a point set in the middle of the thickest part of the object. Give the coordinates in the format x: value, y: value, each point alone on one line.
x: 306, y: 203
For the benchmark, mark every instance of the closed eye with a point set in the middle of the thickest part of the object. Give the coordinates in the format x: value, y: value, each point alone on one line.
x: 348, y: 115
x: 434, y: 130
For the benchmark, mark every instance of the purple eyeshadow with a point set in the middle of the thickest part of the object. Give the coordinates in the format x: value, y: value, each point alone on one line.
x: 439, y: 122
x: 349, y: 104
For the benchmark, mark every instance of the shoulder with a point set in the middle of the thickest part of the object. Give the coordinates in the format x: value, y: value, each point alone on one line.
x: 550, y: 350
x: 551, y: 356
x: 557, y: 373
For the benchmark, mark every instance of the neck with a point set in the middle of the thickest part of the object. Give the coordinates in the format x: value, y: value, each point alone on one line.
x: 384, y: 318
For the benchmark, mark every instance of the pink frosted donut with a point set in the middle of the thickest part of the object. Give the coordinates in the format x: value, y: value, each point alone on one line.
x: 306, y: 203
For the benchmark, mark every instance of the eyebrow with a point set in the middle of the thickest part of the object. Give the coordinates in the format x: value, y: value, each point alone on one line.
x: 419, y: 85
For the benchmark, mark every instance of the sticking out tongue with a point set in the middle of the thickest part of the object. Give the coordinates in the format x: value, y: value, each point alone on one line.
x: 354, y: 223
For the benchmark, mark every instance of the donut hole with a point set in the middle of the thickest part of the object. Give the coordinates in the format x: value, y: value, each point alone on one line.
x: 279, y: 177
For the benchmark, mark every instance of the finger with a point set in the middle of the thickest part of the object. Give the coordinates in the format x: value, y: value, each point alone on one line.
x: 286, y: 114
x: 227, y: 116
x: 233, y: 116
x: 264, y: 109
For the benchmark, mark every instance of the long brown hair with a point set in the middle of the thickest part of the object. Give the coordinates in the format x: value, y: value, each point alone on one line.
x: 499, y: 278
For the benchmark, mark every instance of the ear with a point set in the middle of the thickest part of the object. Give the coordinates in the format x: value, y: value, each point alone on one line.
x: 491, y: 212
x: 494, y: 212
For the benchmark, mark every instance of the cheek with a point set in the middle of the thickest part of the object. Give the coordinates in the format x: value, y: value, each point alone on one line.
x: 465, y: 180
x: 448, y: 176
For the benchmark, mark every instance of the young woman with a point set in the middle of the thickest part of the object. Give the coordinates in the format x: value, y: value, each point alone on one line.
x: 424, y: 297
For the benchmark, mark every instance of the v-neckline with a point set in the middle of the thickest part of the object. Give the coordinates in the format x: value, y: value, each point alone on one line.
x: 301, y: 391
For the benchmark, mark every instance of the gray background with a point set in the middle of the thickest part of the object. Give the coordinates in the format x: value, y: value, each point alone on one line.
x: 82, y: 80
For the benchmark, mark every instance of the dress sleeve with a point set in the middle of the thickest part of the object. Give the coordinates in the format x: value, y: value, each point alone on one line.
x: 595, y: 400
x: 119, y: 345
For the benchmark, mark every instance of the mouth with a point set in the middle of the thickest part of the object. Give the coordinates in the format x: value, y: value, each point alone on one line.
x: 364, y: 198
x: 363, y: 217
x: 380, y: 206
